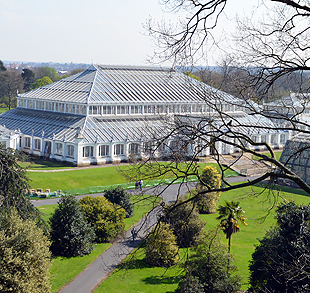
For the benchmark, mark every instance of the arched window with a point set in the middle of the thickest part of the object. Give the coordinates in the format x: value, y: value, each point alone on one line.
x: 70, y: 150
x: 104, y: 150
x: 134, y: 148
x: 118, y: 150
x: 282, y: 138
x: 88, y: 151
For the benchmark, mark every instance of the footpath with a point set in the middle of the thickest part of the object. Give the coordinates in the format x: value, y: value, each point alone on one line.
x: 88, y: 280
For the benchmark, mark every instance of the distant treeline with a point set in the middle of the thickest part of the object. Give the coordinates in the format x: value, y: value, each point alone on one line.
x: 14, y: 80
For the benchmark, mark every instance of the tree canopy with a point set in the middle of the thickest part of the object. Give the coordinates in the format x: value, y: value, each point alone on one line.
x: 120, y: 197
x: 25, y: 258
x: 71, y: 234
x: 14, y: 186
x: 280, y: 262
x: 184, y: 220
x: 41, y: 82
x: 106, y: 218
x: 161, y: 248
x: 207, y: 270
x: 2, y: 67
x: 28, y: 77
x: 46, y: 71
x: 210, y: 179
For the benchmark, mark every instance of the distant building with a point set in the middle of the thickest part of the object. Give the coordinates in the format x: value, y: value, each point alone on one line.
x: 295, y: 105
x: 106, y: 113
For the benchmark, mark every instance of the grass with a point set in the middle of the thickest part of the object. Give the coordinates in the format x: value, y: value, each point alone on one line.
x: 75, y: 179
x: 47, y: 211
x: 65, y: 269
x: 86, y: 178
x: 277, y: 155
x: 2, y: 110
x: 255, y: 201
x: 140, y: 277
x: 40, y: 164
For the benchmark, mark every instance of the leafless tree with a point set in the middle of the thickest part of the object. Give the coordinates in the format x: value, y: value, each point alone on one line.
x: 266, y: 52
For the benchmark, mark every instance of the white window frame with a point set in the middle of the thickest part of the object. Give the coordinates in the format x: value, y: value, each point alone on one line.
x: 27, y: 142
x: 134, y: 148
x: 88, y: 151
x: 59, y: 148
x: 37, y: 144
x: 104, y: 150
x: 70, y: 149
x: 118, y: 149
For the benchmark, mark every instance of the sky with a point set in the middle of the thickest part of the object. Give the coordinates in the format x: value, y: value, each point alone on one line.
x: 86, y: 31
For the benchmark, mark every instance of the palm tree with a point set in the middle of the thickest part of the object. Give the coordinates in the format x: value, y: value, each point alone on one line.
x: 229, y: 214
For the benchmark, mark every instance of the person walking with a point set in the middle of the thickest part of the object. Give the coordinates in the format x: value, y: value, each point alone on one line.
x: 141, y: 183
x: 133, y: 233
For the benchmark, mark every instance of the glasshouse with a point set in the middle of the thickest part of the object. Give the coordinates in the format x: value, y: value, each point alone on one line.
x: 106, y: 113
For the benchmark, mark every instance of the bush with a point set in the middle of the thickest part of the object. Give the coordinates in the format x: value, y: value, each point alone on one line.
x: 105, y: 217
x: 190, y: 284
x: 161, y: 247
x: 210, y: 179
x: 24, y: 255
x: 185, y: 222
x: 119, y: 196
x: 281, y: 260
x: 210, y: 268
x: 71, y: 234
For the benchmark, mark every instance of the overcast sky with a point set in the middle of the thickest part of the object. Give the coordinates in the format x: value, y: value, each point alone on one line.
x: 80, y: 31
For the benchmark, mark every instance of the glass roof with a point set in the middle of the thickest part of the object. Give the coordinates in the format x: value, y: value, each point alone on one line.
x: 123, y: 84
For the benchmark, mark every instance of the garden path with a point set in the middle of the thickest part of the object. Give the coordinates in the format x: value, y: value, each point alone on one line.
x: 98, y: 270
x: 88, y: 280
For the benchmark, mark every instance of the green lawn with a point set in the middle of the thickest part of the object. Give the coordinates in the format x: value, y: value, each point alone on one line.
x: 40, y: 164
x: 277, y: 155
x: 255, y: 201
x: 65, y: 269
x: 75, y: 179
x: 86, y: 178
x: 2, y: 110
x: 139, y: 277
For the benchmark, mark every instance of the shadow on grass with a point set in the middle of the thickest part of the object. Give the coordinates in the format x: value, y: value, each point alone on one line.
x: 133, y: 264
x: 284, y: 189
x: 34, y: 163
x: 157, y: 280
x: 137, y: 264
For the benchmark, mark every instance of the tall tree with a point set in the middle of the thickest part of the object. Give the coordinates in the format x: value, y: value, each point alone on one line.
x: 206, y: 269
x: 11, y: 83
x: 71, y: 234
x: 184, y: 220
x: 14, y: 185
x: 269, y: 49
x: 2, y: 67
x: 229, y: 214
x: 281, y: 262
x: 28, y: 77
x: 106, y: 218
